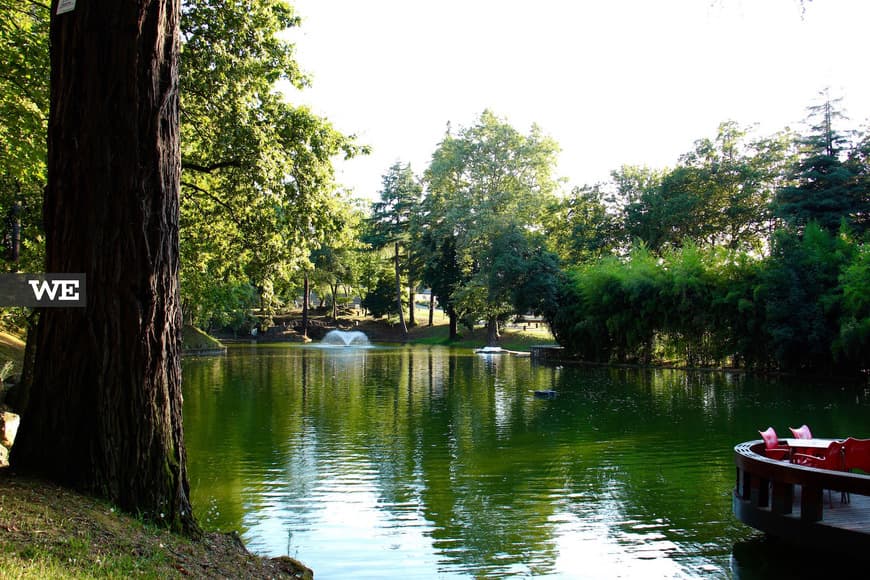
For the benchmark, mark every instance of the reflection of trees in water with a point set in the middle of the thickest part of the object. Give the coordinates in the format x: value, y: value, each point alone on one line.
x: 457, y: 444
x: 435, y: 430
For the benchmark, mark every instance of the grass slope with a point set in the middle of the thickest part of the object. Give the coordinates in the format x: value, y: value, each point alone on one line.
x: 195, y: 340
x: 47, y: 531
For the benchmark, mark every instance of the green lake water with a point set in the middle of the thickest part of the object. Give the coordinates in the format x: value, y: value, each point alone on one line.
x: 430, y: 462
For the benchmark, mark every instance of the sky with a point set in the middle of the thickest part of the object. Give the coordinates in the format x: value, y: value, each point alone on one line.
x: 614, y: 82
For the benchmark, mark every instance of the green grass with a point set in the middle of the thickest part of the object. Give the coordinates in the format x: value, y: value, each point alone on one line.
x: 194, y: 339
x: 47, y: 531
x: 512, y: 338
x: 78, y: 558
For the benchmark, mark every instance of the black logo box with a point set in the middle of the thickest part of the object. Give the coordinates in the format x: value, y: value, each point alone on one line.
x: 43, y: 290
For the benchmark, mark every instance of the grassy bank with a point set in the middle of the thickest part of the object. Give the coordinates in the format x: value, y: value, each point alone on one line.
x: 47, y: 531
x: 512, y: 338
x: 518, y: 337
x: 195, y: 341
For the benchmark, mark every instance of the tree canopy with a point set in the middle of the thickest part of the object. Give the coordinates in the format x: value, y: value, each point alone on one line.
x: 750, y: 251
x: 487, y: 179
x: 258, y: 181
x: 24, y: 110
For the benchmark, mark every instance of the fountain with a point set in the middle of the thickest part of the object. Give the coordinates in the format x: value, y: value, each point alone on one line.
x: 345, y: 338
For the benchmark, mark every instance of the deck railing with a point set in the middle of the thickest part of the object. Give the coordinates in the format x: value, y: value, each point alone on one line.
x: 788, y: 500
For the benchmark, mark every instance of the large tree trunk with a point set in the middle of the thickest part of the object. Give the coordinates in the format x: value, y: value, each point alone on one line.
x: 431, y: 309
x: 306, y: 302
x: 104, y: 414
x: 412, y: 299
x: 453, y: 323
x: 492, y: 334
x: 399, y: 292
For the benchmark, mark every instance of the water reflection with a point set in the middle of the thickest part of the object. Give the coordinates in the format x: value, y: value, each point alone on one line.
x: 412, y: 462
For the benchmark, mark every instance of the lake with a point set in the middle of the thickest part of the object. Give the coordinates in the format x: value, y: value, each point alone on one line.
x: 423, y: 462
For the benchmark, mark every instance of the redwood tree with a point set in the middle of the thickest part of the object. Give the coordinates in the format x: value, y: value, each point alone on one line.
x: 104, y: 412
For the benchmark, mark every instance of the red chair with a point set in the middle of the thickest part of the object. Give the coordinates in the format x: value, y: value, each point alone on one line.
x: 803, y: 432
x: 772, y: 447
x: 832, y: 458
x: 856, y: 454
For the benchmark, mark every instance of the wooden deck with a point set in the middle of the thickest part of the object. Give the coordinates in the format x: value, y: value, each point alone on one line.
x: 792, y: 502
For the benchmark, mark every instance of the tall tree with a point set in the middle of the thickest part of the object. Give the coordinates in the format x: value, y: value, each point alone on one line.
x: 391, y: 221
x: 718, y: 194
x: 635, y: 186
x: 105, y: 416
x: 825, y: 189
x: 258, y: 183
x: 482, y: 182
x: 443, y: 273
x: 336, y: 259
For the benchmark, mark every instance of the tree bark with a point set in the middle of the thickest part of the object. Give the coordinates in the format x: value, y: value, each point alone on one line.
x: 492, y: 334
x: 306, y: 302
x: 431, y: 309
x: 454, y: 323
x: 412, y: 297
x: 104, y: 414
x: 399, y: 292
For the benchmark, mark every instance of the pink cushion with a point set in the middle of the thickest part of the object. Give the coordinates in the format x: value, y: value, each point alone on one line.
x: 770, y: 438
x: 802, y: 433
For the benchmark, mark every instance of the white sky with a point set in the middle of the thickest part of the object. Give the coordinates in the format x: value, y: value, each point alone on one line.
x: 612, y: 81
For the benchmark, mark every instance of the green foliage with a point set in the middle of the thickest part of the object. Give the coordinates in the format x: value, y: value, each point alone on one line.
x: 258, y: 191
x: 380, y: 300
x: 800, y: 288
x: 24, y: 69
x: 619, y: 310
x: 400, y: 197
x: 581, y: 228
x: 524, y: 273
x: 802, y: 309
x: 227, y: 305
x: 339, y: 259
x: 392, y: 222
x: 698, y: 287
x: 827, y: 189
x: 718, y: 195
x: 853, y: 342
x: 858, y: 163
x: 487, y: 180
x: 442, y: 270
